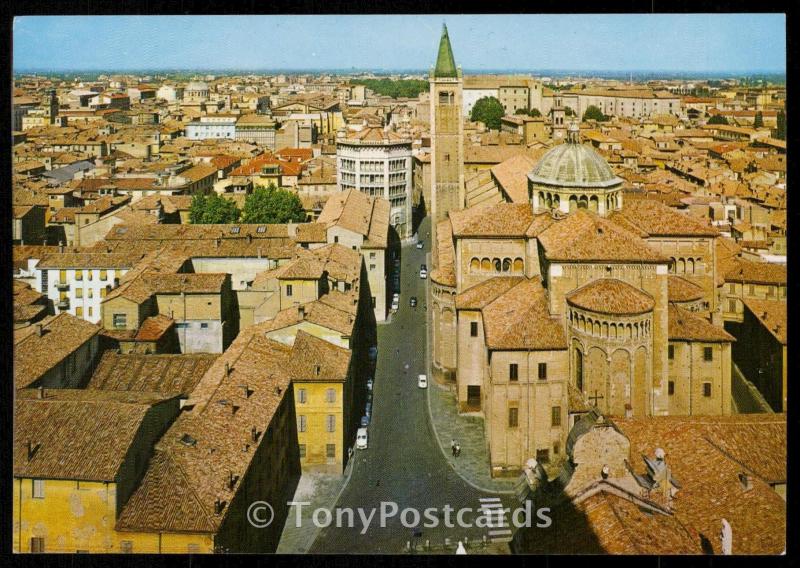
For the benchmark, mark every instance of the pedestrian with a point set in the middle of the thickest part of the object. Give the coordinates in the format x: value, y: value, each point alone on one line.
x: 453, y: 446
x: 458, y: 450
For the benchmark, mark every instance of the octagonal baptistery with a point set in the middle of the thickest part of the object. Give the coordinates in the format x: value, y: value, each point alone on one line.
x: 573, y: 176
x: 611, y: 344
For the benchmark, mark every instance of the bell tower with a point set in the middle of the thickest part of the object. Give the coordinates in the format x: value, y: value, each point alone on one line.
x: 447, y: 138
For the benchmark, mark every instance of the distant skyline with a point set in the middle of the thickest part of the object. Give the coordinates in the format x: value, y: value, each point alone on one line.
x: 688, y: 43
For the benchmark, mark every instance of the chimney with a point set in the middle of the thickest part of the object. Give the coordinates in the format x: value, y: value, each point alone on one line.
x: 605, y: 472
x: 39, y: 331
x: 231, y: 480
x: 746, y: 481
x: 628, y: 410
x: 246, y: 391
x: 301, y: 311
x: 259, y: 252
x: 218, y: 506
x: 40, y: 393
x: 227, y: 369
x: 32, y: 448
x: 254, y: 434
x: 60, y: 246
x: 249, y: 238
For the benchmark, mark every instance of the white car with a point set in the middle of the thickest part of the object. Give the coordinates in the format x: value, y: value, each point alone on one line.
x: 423, y: 273
x: 422, y: 381
x: 395, y: 304
x: 421, y: 244
x: 361, y: 439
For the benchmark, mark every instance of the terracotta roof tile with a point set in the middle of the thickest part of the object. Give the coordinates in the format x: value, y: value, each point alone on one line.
x: 687, y: 326
x: 611, y: 296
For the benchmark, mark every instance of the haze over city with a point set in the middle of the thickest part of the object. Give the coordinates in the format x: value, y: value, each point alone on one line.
x: 710, y: 43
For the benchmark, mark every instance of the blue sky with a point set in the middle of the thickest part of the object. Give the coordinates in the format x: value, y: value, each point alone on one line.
x: 692, y: 42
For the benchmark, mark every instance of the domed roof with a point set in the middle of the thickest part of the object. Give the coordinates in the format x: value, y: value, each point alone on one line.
x: 612, y: 297
x: 573, y: 164
x: 197, y: 86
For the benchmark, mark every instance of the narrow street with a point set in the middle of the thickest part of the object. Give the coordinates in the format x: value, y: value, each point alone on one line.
x: 404, y: 463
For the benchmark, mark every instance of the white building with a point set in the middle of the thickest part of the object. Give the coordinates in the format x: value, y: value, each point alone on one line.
x: 170, y: 93
x: 76, y: 283
x: 221, y: 126
x: 378, y: 163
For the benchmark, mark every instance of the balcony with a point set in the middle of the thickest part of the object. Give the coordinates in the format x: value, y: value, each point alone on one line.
x: 63, y: 304
x: 62, y: 285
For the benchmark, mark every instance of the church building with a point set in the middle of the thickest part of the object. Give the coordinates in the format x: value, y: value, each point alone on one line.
x: 544, y: 310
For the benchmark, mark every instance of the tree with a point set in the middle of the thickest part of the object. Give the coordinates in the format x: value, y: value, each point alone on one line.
x: 489, y: 111
x: 759, y: 120
x: 534, y: 112
x: 569, y: 112
x: 780, y: 130
x: 594, y: 113
x: 208, y: 209
x: 521, y: 111
x: 272, y: 205
x: 717, y: 119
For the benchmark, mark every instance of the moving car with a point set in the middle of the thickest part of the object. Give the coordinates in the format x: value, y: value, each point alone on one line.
x: 413, y: 301
x: 368, y: 410
x: 422, y: 381
x: 395, y: 304
x: 364, y: 421
x: 421, y: 244
x: 423, y: 272
x: 369, y: 384
x: 361, y: 439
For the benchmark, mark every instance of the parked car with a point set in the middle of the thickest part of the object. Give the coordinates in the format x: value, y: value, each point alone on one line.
x: 421, y: 244
x: 364, y: 421
x: 413, y: 301
x: 422, y: 381
x: 361, y: 439
x: 423, y: 273
x: 368, y: 410
x: 369, y: 397
x: 369, y: 384
x: 395, y: 304
x: 373, y: 353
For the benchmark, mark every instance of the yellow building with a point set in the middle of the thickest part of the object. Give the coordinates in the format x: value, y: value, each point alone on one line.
x: 323, y: 394
x: 78, y: 456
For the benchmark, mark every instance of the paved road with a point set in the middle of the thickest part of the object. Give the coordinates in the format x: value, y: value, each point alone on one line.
x: 404, y: 463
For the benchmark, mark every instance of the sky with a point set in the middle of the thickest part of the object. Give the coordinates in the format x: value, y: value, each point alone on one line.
x: 613, y: 43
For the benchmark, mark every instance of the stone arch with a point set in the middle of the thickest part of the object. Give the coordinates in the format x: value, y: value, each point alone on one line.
x: 486, y: 265
x: 605, y: 329
x: 613, y: 331
x: 641, y: 392
x: 582, y: 323
x: 681, y: 268
x: 506, y: 264
x: 474, y: 264
x: 620, y: 381
x: 593, y: 204
x: 573, y: 203
x: 556, y: 201
x: 541, y: 199
x: 596, y: 371
x: 519, y: 265
x: 497, y: 264
x: 672, y: 264
x: 690, y: 266
x: 596, y: 329
x: 549, y: 201
x: 583, y: 202
x: 628, y: 331
x: 636, y: 330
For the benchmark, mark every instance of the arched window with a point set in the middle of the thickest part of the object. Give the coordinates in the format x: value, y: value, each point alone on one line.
x: 583, y: 202
x: 549, y: 201
x: 556, y: 201
x: 474, y: 265
x: 596, y: 328
x: 593, y: 203
x: 613, y: 331
x: 681, y: 268
x: 486, y: 265
x: 605, y: 329
x: 497, y: 265
x: 672, y: 264
x: 573, y: 203
x: 579, y: 369
x: 636, y: 330
x: 506, y: 264
x: 519, y: 265
x: 690, y: 266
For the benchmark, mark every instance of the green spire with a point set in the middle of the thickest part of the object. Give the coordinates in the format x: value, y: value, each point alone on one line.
x: 445, y: 62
